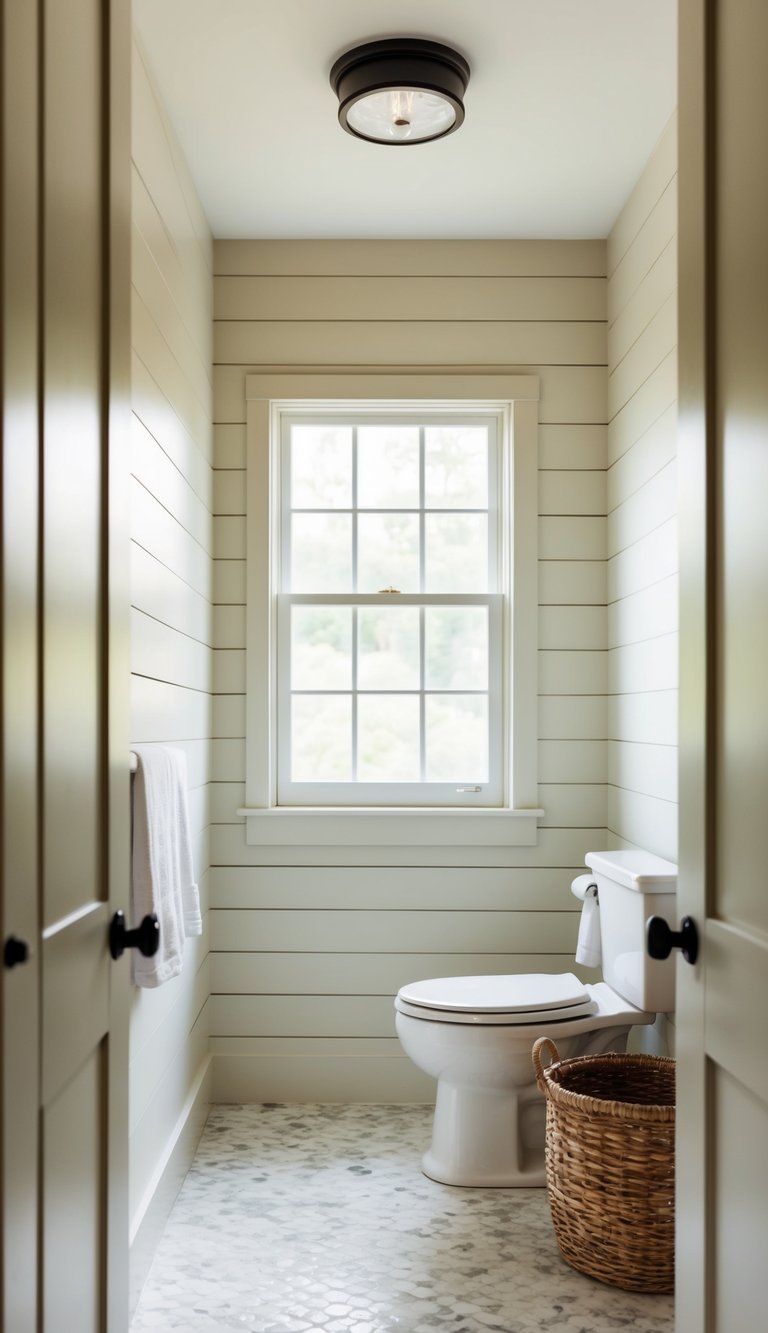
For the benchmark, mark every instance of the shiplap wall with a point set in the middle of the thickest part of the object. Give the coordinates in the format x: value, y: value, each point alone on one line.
x: 642, y: 509
x: 307, y: 954
x: 171, y: 590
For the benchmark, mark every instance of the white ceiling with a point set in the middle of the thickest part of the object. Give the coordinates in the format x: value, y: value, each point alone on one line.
x: 565, y: 103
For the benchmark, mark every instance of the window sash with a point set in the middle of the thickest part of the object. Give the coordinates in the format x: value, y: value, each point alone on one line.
x: 364, y: 793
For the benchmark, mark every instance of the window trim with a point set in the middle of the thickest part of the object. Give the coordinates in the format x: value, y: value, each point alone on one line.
x: 272, y: 391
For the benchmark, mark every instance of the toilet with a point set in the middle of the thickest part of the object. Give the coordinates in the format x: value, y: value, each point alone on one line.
x: 474, y: 1034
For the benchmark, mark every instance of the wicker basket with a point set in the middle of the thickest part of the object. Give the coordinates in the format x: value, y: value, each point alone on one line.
x: 611, y: 1165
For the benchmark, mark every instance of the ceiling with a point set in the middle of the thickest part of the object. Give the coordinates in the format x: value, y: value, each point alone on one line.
x: 565, y: 103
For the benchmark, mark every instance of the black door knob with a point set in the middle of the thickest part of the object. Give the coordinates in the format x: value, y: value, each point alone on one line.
x: 15, y: 951
x: 145, y: 938
x: 661, y: 940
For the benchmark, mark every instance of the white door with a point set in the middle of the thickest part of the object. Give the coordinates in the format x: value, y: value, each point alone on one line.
x: 65, y: 757
x: 722, y: 1047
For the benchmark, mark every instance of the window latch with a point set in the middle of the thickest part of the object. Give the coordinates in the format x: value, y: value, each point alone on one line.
x: 390, y: 590
x: 463, y: 789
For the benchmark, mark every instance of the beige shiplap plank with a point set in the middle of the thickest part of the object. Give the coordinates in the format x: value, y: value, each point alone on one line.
x: 644, y: 511
x: 657, y: 287
x: 192, y: 353
x: 659, y: 171
x: 567, y: 537
x: 571, y: 492
x: 229, y: 587
x: 572, y: 761
x: 573, y: 447
x: 229, y: 446
x: 229, y: 671
x: 572, y: 582
x: 570, y: 395
x: 411, y: 258
x: 395, y: 341
x: 153, y: 349
x: 411, y: 299
x: 657, y: 340
x: 655, y: 235
x: 572, y: 717
x: 169, y: 485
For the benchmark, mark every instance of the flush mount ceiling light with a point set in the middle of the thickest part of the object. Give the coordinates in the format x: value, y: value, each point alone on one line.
x: 400, y: 91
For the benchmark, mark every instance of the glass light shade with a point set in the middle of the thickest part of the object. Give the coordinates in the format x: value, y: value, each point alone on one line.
x: 401, y: 90
x: 401, y: 114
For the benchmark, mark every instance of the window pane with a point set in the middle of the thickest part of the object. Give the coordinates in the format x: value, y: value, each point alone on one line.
x: 388, y: 648
x: 456, y: 558
x: 321, y: 467
x: 388, y: 738
x: 456, y: 647
x: 388, y: 552
x: 321, y: 553
x: 388, y: 467
x: 457, y: 737
x: 456, y: 467
x: 321, y: 647
x: 321, y: 738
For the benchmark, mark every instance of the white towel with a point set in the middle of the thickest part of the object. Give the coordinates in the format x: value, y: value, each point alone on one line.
x: 163, y: 874
x: 588, y: 950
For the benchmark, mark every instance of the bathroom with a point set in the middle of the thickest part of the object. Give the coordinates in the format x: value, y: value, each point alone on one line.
x: 311, y: 925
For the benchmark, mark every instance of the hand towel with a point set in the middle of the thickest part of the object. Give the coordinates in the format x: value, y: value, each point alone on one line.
x: 163, y: 874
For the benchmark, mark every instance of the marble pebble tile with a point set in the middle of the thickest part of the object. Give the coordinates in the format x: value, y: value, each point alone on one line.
x: 317, y: 1219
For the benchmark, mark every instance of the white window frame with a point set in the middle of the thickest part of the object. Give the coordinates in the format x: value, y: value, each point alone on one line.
x: 421, y: 794
x: 515, y: 398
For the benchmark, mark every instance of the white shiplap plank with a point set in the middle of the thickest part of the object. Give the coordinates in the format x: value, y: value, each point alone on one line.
x: 229, y: 626
x: 573, y: 672
x: 393, y: 932
x: 645, y: 821
x: 650, y: 665
x: 157, y: 531
x: 162, y: 478
x: 656, y: 287
x: 405, y: 888
x: 650, y: 400
x: 229, y: 716
x: 573, y: 448
x: 572, y: 627
x: 161, y: 593
x: 572, y: 761
x: 644, y: 511
x: 655, y: 234
x: 572, y: 538
x: 572, y: 804
x: 229, y: 446
x: 359, y: 974
x: 645, y: 355
x: 644, y: 615
x: 572, y: 717
x: 650, y: 719
x: 660, y: 169
x: 647, y: 456
x: 648, y: 561
x: 163, y: 712
x: 650, y: 770
x: 229, y: 492
x: 229, y: 538
x: 229, y: 671
x: 164, y: 654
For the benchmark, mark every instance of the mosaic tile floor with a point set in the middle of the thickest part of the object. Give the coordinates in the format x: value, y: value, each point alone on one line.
x: 317, y: 1219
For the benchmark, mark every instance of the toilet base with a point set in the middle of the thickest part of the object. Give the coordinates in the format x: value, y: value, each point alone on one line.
x: 487, y: 1138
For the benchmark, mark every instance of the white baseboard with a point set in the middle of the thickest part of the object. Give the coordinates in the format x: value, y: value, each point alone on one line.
x: 152, y: 1213
x: 319, y: 1078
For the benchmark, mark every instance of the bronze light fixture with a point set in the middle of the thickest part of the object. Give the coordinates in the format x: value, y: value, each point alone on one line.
x: 404, y: 90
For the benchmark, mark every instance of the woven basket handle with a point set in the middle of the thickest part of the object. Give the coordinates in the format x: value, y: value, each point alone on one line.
x: 538, y: 1047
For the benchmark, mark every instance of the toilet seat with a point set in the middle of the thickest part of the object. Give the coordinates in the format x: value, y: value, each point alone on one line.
x: 538, y: 998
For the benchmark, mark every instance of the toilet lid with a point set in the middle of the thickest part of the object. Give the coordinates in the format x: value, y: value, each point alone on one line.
x: 533, y: 993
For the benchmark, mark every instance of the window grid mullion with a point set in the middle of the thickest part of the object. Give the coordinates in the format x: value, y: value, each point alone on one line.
x: 354, y: 694
x: 422, y: 698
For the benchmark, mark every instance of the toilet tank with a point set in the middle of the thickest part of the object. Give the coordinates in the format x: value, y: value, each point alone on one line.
x: 631, y: 886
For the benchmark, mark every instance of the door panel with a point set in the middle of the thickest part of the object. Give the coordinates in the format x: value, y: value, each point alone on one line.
x: 722, y: 1146
x: 64, y: 797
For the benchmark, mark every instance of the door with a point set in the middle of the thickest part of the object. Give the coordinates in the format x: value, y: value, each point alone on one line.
x: 65, y: 750
x: 722, y: 1152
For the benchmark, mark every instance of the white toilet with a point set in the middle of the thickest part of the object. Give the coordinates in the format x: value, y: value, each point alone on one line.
x: 474, y: 1034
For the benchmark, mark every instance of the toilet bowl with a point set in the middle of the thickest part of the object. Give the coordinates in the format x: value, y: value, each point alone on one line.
x: 475, y: 1034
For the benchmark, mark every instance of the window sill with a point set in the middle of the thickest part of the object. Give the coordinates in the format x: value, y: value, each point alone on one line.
x: 325, y: 826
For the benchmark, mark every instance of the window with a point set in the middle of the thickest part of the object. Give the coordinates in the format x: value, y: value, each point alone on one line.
x: 392, y: 608
x: 389, y: 640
